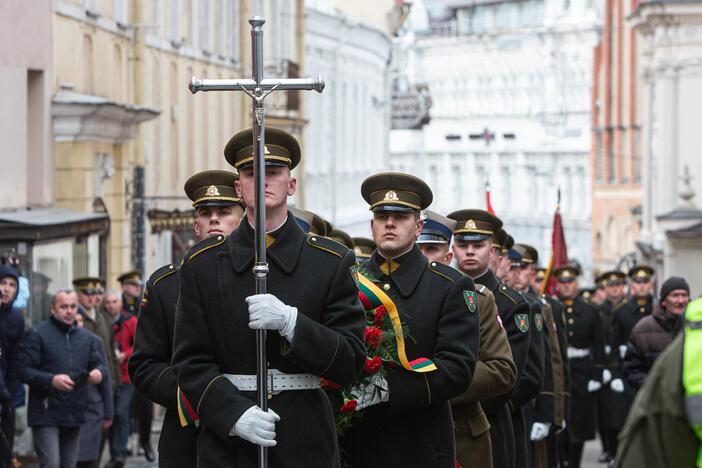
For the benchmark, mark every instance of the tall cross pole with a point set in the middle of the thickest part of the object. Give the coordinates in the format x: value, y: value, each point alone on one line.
x: 258, y: 88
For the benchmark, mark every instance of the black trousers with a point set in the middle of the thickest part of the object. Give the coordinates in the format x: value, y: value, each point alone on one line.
x: 7, y: 426
x: 143, y: 412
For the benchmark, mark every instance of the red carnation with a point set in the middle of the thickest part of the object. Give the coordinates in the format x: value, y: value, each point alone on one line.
x: 328, y: 384
x: 373, y: 365
x: 373, y: 336
x: 349, y: 406
x: 379, y: 315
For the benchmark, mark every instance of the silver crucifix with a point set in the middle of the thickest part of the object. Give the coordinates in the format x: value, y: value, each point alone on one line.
x: 258, y: 88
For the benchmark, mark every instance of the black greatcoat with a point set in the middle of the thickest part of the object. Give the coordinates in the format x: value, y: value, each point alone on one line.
x: 150, y: 366
x: 510, y: 305
x: 212, y: 337
x: 415, y: 428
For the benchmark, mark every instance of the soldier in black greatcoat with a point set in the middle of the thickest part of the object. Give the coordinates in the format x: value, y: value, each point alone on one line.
x: 585, y: 355
x: 314, y: 319
x: 218, y: 211
x: 473, y: 248
x: 408, y: 422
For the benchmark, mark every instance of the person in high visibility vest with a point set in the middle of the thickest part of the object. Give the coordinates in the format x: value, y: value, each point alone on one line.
x: 664, y: 427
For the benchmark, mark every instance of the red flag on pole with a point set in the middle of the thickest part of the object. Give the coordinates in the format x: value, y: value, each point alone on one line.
x: 559, y: 251
x: 488, y: 205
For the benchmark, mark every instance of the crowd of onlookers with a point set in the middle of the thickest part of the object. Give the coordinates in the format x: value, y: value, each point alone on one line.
x: 72, y: 361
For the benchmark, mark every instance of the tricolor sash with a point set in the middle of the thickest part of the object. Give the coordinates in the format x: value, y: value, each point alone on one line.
x: 186, y: 413
x: 372, y: 297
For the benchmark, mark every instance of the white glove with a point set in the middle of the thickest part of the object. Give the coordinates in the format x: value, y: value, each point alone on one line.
x: 593, y: 386
x: 608, y: 349
x: 539, y: 431
x: 256, y: 426
x: 268, y: 312
x: 372, y: 394
x: 622, y: 351
x: 606, y: 376
x: 617, y: 385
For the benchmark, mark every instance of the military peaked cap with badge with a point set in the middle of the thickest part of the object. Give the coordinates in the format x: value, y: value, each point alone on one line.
x: 641, y: 273
x: 310, y: 222
x: 280, y: 149
x: 89, y: 285
x: 212, y: 188
x: 566, y: 273
x: 341, y: 237
x: 133, y: 277
x: 507, y: 245
x: 437, y: 229
x: 394, y: 191
x: 614, y: 277
x: 516, y: 256
x: 363, y: 247
x: 475, y: 225
x: 499, y: 239
x: 540, y: 273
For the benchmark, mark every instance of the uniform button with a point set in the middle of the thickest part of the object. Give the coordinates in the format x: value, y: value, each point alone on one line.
x: 386, y: 287
x: 570, y: 333
x: 433, y: 263
x: 569, y: 309
x: 170, y: 267
x: 642, y: 309
x: 314, y: 239
x: 571, y: 321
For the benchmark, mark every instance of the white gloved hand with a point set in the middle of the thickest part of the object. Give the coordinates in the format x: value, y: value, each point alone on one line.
x: 606, y: 376
x: 593, y: 386
x: 371, y: 394
x: 622, y: 351
x: 269, y: 313
x: 617, y: 385
x: 256, y: 426
x: 539, y: 431
x: 608, y: 349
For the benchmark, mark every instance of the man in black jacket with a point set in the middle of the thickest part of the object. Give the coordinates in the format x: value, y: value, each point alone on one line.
x: 217, y: 212
x: 57, y: 360
x: 312, y: 313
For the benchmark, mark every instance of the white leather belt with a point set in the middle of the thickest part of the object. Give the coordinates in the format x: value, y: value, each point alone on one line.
x: 277, y: 382
x: 575, y: 353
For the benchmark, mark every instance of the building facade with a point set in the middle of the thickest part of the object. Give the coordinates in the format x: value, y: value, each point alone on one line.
x: 509, y: 84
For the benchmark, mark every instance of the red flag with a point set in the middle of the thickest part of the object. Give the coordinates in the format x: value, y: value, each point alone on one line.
x: 559, y: 251
x: 487, y: 198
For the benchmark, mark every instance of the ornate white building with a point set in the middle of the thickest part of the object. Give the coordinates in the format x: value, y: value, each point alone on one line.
x: 347, y: 130
x: 510, y: 85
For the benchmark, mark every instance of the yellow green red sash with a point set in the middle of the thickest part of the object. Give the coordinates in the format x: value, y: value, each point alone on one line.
x: 372, y: 297
x: 186, y: 413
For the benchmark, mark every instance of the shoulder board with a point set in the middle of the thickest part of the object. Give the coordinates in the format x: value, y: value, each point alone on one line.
x: 481, y: 289
x: 619, y: 306
x: 510, y: 294
x: 328, y: 245
x: 205, y: 244
x: 446, y: 271
x: 161, y: 273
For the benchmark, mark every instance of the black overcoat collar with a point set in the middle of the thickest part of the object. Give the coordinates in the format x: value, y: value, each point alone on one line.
x: 489, y: 280
x: 406, y: 277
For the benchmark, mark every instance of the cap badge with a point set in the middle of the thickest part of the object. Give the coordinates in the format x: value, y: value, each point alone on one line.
x: 390, y: 195
x: 357, y: 250
x: 470, y: 224
x: 212, y: 191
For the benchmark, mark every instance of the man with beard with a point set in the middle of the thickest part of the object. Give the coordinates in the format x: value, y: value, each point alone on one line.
x: 585, y: 351
x: 438, y: 307
x: 217, y: 212
x: 473, y: 247
x: 495, y: 372
x: 312, y: 313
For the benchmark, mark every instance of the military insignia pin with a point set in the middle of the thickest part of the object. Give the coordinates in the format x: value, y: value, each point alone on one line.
x: 470, y: 224
x: 212, y: 191
x: 390, y: 195
x: 539, y: 321
x: 522, y: 321
x: 471, y: 300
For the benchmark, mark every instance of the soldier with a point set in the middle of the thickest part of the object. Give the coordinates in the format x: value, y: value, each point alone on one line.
x: 537, y: 279
x: 495, y: 372
x: 363, y: 247
x: 472, y: 247
x: 503, y: 263
x: 217, y: 212
x: 640, y: 305
x: 599, y: 295
x: 438, y: 306
x: 611, y: 409
x: 312, y: 313
x: 131, y: 291
x: 585, y: 350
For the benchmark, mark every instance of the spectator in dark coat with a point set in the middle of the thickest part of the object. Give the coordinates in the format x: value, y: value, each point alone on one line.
x: 652, y: 334
x: 58, y: 361
x: 11, y: 330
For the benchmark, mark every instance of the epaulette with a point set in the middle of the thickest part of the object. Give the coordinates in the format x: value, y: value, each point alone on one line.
x: 511, y: 294
x: 161, y: 273
x: 482, y: 289
x: 328, y: 245
x: 205, y: 244
x: 618, y: 306
x: 446, y: 271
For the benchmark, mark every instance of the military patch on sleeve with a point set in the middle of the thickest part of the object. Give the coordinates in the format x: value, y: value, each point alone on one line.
x: 522, y: 321
x: 471, y: 300
x: 539, y: 321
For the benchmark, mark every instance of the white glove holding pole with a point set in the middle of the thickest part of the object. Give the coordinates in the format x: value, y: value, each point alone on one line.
x: 256, y: 426
x: 622, y: 351
x: 617, y: 385
x: 267, y: 312
x: 539, y: 431
x: 372, y: 394
x: 593, y: 386
x: 606, y: 376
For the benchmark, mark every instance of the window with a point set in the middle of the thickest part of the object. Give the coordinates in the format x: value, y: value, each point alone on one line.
x: 88, y: 82
x: 220, y: 20
x: 636, y: 153
x: 611, y: 157
x: 174, y: 23
x: 121, y: 12
x: 205, y: 26
x: 599, y: 156
x: 233, y: 30
x: 626, y: 156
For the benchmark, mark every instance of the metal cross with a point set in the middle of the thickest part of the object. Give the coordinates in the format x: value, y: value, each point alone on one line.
x: 258, y: 88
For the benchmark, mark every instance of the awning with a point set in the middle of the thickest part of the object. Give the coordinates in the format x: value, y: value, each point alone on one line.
x: 39, y: 224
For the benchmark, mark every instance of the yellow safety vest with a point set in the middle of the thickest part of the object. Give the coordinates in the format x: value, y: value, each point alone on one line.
x: 692, y: 369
